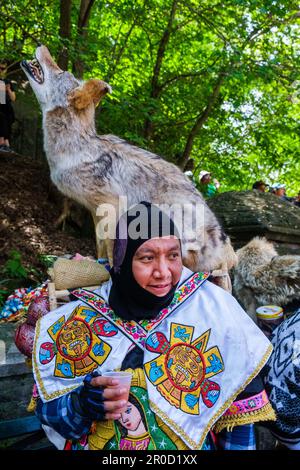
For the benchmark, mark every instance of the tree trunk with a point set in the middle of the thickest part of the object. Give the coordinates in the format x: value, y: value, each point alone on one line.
x: 155, y: 88
x: 201, y: 120
x: 64, y: 32
x: 83, y: 19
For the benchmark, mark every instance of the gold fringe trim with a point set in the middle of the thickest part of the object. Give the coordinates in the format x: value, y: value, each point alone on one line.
x: 28, y: 362
x: 32, y: 405
x: 93, y: 427
x: 178, y: 430
x: 266, y: 413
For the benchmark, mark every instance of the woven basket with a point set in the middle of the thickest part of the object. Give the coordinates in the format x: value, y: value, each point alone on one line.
x: 69, y: 274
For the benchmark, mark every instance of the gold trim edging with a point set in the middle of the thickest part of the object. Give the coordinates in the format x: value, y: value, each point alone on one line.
x: 229, y: 422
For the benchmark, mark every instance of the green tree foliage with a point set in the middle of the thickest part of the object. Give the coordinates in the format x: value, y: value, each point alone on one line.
x: 215, y: 81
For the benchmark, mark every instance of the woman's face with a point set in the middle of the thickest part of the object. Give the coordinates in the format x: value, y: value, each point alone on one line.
x: 157, y: 265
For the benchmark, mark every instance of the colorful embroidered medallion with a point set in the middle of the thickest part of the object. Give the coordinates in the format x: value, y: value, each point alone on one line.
x: 77, y: 346
x: 181, y: 370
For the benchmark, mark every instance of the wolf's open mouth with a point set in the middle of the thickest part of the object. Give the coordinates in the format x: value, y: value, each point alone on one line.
x: 35, y: 70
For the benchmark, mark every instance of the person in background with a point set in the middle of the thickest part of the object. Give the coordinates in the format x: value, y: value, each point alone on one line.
x: 278, y: 189
x: 296, y: 200
x: 260, y: 186
x: 190, y: 175
x: 190, y: 165
x: 207, y: 186
x: 189, y: 170
x: 281, y: 377
x: 7, y: 116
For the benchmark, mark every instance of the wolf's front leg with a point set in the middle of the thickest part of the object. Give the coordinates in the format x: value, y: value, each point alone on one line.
x: 104, y: 240
x: 67, y: 204
x: 105, y: 249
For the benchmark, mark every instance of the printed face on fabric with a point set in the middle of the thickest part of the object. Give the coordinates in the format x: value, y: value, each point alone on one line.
x: 157, y: 265
x: 131, y: 420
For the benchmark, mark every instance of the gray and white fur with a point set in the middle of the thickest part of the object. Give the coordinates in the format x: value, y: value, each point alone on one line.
x: 262, y: 277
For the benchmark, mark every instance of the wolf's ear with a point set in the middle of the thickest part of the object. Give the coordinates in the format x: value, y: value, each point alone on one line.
x: 90, y: 92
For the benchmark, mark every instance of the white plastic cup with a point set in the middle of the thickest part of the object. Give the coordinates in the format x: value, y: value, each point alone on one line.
x: 124, y: 379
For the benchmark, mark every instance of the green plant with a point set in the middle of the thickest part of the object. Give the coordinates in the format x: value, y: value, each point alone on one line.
x: 14, y: 275
x: 14, y: 268
x: 4, y: 293
x: 47, y: 260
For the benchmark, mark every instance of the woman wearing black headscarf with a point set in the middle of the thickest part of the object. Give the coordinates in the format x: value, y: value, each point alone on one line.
x: 193, y: 352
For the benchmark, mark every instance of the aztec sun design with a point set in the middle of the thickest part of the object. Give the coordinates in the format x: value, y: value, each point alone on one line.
x: 181, y: 370
x: 76, y: 344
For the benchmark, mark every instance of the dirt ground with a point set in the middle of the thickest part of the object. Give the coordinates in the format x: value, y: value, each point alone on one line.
x: 29, y: 207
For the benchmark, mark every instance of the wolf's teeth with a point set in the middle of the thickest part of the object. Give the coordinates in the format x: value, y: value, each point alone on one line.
x: 36, y: 71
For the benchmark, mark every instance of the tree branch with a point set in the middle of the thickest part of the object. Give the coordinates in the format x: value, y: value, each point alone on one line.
x: 120, y: 52
x: 181, y: 77
x: 161, y: 52
x: 148, y: 129
x: 22, y: 28
x: 83, y: 19
x: 210, y: 23
x: 202, y: 118
x: 187, y: 75
x: 84, y: 14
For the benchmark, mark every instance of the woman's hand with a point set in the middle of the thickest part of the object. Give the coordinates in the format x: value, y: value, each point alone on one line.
x: 111, y: 393
x: 99, y: 398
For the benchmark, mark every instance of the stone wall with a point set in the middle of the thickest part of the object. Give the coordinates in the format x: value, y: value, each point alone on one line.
x: 16, y: 379
x: 247, y: 214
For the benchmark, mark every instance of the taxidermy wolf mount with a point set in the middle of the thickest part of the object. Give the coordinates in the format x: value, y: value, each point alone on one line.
x: 97, y: 169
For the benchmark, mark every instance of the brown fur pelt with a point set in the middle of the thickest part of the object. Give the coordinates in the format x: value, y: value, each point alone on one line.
x: 95, y: 170
x: 262, y: 277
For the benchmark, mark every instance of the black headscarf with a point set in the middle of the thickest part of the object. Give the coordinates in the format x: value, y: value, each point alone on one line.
x: 127, y: 298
